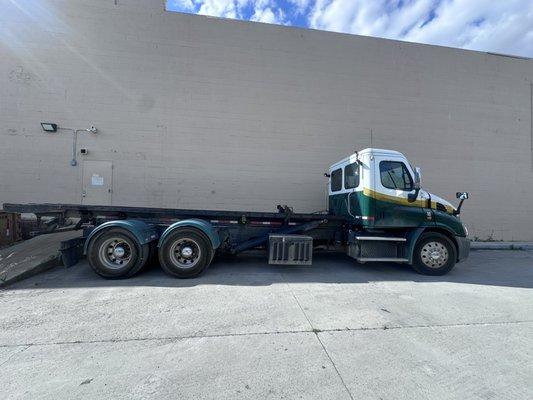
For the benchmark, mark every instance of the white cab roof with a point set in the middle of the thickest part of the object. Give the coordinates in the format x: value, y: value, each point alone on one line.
x: 370, y: 150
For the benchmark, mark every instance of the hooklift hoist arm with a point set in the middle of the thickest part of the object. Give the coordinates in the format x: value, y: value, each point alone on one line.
x: 250, y: 222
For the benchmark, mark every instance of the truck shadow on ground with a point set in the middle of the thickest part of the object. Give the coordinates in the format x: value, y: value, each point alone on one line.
x: 493, y: 268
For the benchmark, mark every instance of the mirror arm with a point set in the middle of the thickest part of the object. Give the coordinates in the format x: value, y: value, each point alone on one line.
x: 458, y: 211
x: 411, y: 197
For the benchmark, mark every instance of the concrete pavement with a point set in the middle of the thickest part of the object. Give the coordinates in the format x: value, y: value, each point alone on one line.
x: 334, y: 330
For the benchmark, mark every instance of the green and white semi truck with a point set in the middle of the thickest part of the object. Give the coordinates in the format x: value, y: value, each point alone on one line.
x: 377, y: 212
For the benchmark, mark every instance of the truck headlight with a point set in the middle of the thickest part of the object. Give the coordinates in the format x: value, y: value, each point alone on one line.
x: 466, y: 230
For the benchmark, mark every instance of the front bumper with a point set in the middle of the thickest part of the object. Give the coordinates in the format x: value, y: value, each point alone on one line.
x: 463, y: 247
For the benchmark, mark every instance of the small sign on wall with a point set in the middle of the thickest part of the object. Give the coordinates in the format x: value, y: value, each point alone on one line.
x: 97, y: 180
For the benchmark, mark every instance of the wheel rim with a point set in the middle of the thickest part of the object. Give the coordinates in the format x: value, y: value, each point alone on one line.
x: 185, y: 253
x: 115, y: 253
x: 434, y: 254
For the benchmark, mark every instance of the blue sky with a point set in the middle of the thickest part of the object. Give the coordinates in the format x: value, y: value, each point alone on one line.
x: 502, y: 26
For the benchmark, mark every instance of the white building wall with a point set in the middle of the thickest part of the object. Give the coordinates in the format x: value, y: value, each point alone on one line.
x: 198, y: 112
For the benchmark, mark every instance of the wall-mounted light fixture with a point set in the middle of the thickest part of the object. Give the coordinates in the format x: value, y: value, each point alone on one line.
x: 51, y: 127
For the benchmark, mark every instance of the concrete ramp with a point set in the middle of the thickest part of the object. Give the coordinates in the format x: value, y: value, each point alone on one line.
x: 32, y: 256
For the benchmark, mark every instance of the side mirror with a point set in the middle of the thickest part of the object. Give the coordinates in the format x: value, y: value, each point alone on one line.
x: 418, y: 178
x: 462, y: 196
x: 411, y: 197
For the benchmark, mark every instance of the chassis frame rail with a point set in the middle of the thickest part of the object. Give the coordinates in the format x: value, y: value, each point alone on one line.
x: 88, y: 212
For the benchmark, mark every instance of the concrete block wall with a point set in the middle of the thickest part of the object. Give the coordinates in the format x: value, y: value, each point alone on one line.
x: 199, y: 112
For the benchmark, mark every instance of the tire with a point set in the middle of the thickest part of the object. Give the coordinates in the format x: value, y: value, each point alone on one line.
x: 107, y: 261
x: 435, y: 254
x: 185, y: 253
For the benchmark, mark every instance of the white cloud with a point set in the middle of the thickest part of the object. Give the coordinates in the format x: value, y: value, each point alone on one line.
x: 264, y: 15
x: 487, y: 25
x: 218, y: 8
x: 504, y: 26
x: 264, y: 12
x: 300, y: 5
x: 184, y: 5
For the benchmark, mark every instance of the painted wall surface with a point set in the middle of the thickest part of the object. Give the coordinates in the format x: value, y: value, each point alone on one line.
x: 198, y: 112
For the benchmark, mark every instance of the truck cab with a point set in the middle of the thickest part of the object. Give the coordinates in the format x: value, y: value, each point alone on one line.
x: 379, y: 192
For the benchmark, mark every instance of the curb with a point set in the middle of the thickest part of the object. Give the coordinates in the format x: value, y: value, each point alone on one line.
x: 501, y: 246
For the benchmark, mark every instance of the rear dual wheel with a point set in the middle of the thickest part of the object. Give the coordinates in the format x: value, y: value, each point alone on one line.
x: 115, y: 253
x: 185, y: 253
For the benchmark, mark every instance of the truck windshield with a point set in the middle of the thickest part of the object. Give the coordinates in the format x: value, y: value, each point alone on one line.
x: 394, y: 175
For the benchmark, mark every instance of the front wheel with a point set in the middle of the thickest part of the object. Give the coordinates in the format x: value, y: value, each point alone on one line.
x: 435, y: 254
x: 185, y: 253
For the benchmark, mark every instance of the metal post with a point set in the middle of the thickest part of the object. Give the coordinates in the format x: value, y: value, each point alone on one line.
x: 73, y: 161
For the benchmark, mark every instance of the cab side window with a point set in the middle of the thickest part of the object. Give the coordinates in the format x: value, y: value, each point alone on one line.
x: 336, y: 180
x: 351, y: 176
x: 395, y: 175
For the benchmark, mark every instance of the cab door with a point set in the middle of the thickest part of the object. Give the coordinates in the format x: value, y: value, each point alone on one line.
x: 393, y: 182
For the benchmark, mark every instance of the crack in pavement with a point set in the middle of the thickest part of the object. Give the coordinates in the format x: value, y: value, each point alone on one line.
x: 334, y: 366
x: 316, y: 331
x: 26, y: 347
x: 264, y: 333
